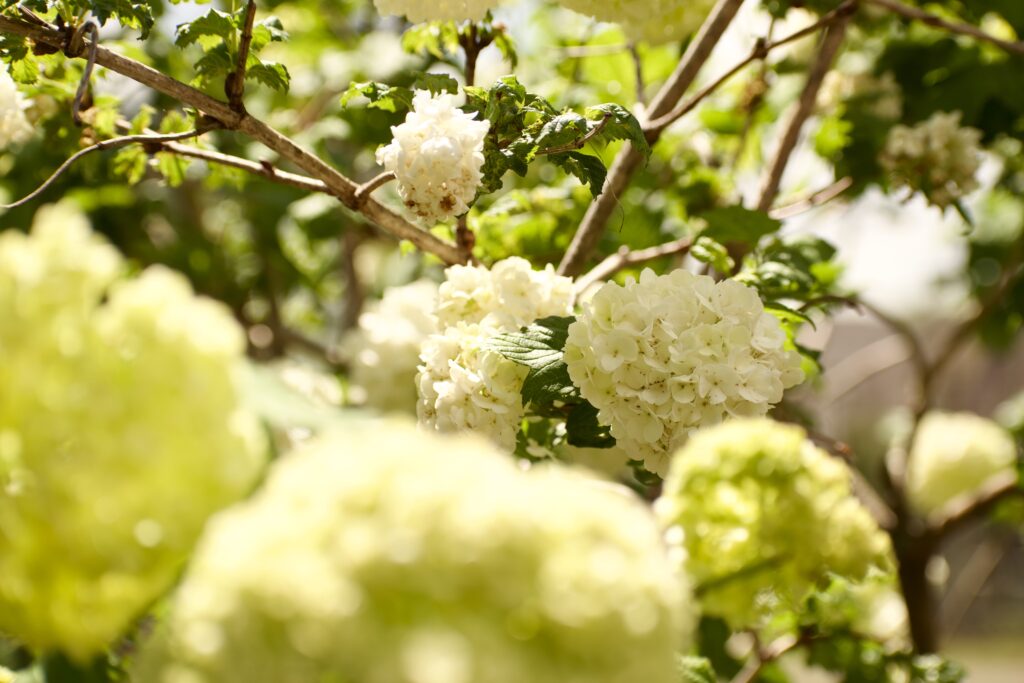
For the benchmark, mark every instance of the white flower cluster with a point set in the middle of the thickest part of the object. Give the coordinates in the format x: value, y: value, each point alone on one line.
x: 14, y: 126
x: 937, y: 157
x: 437, y: 156
x: 120, y: 433
x: 436, y: 10
x: 383, y: 555
x: 384, y: 351
x: 669, y: 354
x: 763, y: 516
x: 656, y: 21
x: 881, y: 95
x: 464, y: 385
x: 954, y: 454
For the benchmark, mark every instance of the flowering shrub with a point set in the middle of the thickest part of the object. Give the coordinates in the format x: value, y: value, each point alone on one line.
x: 436, y: 10
x: 954, y: 454
x: 663, y: 356
x: 437, y: 156
x: 388, y: 555
x: 384, y: 351
x: 763, y: 516
x: 937, y: 157
x: 657, y: 21
x: 120, y: 433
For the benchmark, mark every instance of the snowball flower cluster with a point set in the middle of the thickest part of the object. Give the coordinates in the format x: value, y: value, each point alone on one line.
x: 661, y: 357
x: 436, y: 10
x: 880, y: 95
x: 462, y: 383
x: 954, y: 454
x: 937, y: 157
x: 656, y: 21
x: 120, y: 433
x: 763, y: 516
x: 437, y: 156
x: 383, y: 555
x: 14, y: 126
x: 384, y: 350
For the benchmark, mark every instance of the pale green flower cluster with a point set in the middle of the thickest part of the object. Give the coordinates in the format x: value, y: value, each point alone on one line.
x: 384, y: 350
x: 664, y: 356
x: 120, y: 433
x: 436, y: 10
x: 937, y: 157
x: 763, y: 516
x: 386, y: 555
x: 955, y: 454
x: 14, y: 125
x: 881, y: 94
x: 462, y: 384
x: 656, y: 21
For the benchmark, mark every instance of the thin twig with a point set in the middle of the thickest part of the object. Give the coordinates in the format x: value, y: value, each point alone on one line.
x: 760, y: 52
x: 112, y: 143
x: 638, y: 73
x: 765, y: 656
x: 264, y: 170
x: 833, y: 41
x: 624, y: 258
x: 364, y: 191
x: 83, y: 86
x: 339, y: 185
x: 578, y: 144
x: 916, y: 14
x: 588, y: 236
x: 960, y: 511
x: 819, y: 198
x: 234, y: 84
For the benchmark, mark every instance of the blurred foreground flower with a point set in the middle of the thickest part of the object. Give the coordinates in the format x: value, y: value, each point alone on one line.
x: 764, y: 516
x: 436, y: 10
x: 657, y: 21
x: 386, y: 555
x: 14, y: 126
x: 120, y: 433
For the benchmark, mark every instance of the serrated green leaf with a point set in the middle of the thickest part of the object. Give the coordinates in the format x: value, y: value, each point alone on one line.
x: 270, y: 74
x: 540, y: 347
x: 621, y: 125
x: 583, y: 430
x: 436, y: 83
x: 710, y: 251
x: 381, y: 96
x: 588, y: 169
x: 213, y: 23
x: 696, y: 670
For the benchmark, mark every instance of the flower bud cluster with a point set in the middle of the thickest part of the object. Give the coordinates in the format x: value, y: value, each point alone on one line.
x: 663, y: 356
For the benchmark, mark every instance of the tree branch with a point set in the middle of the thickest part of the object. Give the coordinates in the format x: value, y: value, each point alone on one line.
x: 833, y: 41
x: 113, y: 143
x: 961, y: 511
x: 340, y: 186
x: 624, y: 258
x: 234, y: 84
x: 815, y: 200
x: 916, y: 14
x: 628, y: 160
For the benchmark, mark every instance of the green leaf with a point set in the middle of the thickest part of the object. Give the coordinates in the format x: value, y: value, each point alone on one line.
x: 588, y: 169
x: 437, y: 38
x: 381, y: 96
x: 709, y: 251
x: 696, y: 670
x: 270, y: 74
x: 583, y: 430
x: 436, y: 83
x: 540, y: 347
x: 214, y: 23
x: 738, y: 224
x: 622, y: 125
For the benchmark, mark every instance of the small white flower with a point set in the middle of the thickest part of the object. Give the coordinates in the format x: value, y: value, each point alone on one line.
x: 669, y: 354
x: 437, y: 157
x: 937, y: 157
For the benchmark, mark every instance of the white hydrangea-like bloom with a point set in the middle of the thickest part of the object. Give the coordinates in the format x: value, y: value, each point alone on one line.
x: 656, y: 21
x: 661, y: 357
x: 464, y: 385
x: 385, y: 555
x: 955, y: 454
x: 763, y: 516
x: 436, y: 10
x: 14, y: 126
x: 437, y: 156
x: 384, y: 351
x: 120, y: 433
x: 937, y: 157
